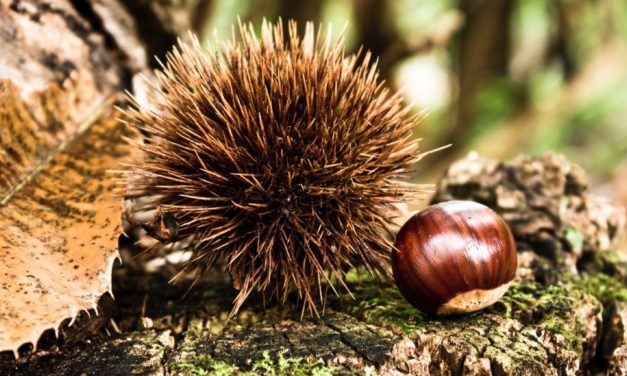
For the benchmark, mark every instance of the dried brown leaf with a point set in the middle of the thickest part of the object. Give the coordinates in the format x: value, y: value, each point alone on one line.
x: 59, y: 217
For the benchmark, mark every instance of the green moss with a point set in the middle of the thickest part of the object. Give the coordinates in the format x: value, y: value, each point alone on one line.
x: 558, y: 326
x: 575, y: 239
x: 379, y: 303
x: 524, y: 298
x: 278, y: 366
x: 382, y: 304
x: 519, y: 296
x: 289, y: 367
x: 204, y: 366
x: 194, y: 329
x: 546, y: 307
x: 605, y: 288
x: 541, y: 307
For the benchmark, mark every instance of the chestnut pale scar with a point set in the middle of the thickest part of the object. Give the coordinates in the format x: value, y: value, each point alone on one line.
x: 473, y: 300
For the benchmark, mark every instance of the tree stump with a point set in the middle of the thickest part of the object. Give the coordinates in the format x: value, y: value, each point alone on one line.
x: 552, y: 321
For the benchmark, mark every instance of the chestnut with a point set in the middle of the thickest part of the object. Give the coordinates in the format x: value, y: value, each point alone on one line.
x: 454, y: 257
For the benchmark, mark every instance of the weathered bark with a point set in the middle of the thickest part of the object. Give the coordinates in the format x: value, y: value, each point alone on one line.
x: 545, y: 201
x: 536, y: 329
x: 552, y: 321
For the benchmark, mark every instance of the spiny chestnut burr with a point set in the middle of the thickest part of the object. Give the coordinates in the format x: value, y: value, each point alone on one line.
x: 454, y: 257
x: 276, y: 156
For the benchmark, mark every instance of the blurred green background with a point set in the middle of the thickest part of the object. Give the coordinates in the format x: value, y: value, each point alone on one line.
x: 497, y: 76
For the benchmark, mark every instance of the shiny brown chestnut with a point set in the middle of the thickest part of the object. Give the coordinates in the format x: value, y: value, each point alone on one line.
x: 454, y: 257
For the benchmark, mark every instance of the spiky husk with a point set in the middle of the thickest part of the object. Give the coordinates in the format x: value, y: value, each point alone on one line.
x: 278, y: 155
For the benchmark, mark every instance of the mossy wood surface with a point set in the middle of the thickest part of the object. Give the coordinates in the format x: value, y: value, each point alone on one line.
x: 573, y: 326
x: 565, y: 314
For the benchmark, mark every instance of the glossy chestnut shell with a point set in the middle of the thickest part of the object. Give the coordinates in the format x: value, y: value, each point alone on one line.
x: 454, y: 257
